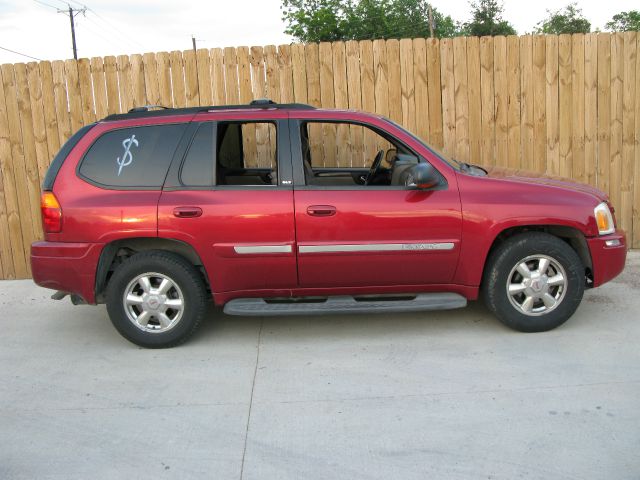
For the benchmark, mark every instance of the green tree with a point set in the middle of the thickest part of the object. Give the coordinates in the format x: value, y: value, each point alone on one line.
x: 625, y: 22
x: 486, y: 19
x: 329, y: 20
x: 567, y: 20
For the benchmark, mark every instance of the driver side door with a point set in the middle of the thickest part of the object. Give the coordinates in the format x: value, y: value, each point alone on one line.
x: 354, y: 235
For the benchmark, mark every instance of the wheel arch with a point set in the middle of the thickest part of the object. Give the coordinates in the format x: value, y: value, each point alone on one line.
x: 117, y: 251
x: 571, y: 235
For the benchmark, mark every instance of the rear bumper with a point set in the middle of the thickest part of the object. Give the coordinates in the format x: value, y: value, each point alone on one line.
x: 69, y: 267
x: 608, y: 255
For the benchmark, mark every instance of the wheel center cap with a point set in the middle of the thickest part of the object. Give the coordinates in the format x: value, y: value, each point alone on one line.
x: 154, y: 302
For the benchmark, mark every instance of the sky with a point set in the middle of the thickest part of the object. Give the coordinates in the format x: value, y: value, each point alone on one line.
x: 114, y: 27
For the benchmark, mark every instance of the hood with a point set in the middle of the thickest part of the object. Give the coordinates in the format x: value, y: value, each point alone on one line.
x: 526, y: 176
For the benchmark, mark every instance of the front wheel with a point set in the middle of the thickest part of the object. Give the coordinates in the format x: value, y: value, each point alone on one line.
x: 533, y: 282
x: 156, y: 299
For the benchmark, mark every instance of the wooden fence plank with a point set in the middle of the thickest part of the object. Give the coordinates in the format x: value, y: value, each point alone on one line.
x: 285, y: 74
x: 635, y: 234
x: 407, y: 85
x: 448, y: 97
x: 299, y: 73
x: 393, y: 74
x: 628, y: 130
x: 434, y: 86
x: 73, y: 94
x: 272, y: 72
x: 37, y: 120
x: 551, y: 93
x: 539, y: 104
x: 63, y: 119
x: 217, y: 76
x: 577, y: 85
x: 617, y: 73
x: 259, y: 90
x: 17, y: 168
x: 461, y: 98
x: 341, y: 99
x: 99, y: 87
x: 501, y: 100
x: 381, y: 77
x: 421, y: 88
x: 475, y: 99
x: 124, y: 83
x: 29, y: 150
x: 11, y: 224
x: 191, y: 78
x: 356, y: 145
x: 151, y: 85
x: 138, y: 90
x: 314, y: 97
x: 604, y: 110
x: 590, y: 106
x: 86, y: 91
x: 163, y: 65
x: 327, y: 98
x: 513, y: 102
x: 177, y: 79
x: 526, y: 102
x: 111, y: 81
x: 368, y: 92
x: 49, y: 109
x: 205, y: 88
x: 565, y: 98
x: 487, y: 102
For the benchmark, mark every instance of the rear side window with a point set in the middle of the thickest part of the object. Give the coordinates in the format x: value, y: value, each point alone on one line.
x: 132, y: 157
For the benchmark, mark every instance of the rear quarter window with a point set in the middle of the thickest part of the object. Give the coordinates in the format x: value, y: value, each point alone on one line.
x: 137, y: 157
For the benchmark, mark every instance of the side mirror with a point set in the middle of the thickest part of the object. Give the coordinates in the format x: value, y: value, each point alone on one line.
x: 421, y: 177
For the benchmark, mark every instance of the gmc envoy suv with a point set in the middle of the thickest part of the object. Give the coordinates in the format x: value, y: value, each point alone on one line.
x: 265, y: 209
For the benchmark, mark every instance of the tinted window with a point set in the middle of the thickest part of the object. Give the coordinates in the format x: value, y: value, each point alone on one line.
x: 197, y: 169
x: 132, y: 157
x: 242, y: 153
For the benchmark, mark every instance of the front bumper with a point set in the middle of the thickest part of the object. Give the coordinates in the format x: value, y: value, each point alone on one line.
x: 608, y: 255
x: 68, y: 267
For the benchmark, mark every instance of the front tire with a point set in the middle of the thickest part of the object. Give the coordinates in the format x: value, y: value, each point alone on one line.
x: 533, y: 282
x: 156, y: 299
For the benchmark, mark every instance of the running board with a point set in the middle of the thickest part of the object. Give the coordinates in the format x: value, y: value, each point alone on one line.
x: 345, y: 304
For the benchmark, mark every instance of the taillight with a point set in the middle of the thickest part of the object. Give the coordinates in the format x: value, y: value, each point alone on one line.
x: 51, y: 213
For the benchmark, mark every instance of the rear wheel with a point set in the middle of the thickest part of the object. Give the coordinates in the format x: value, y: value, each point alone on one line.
x: 156, y: 299
x: 533, y: 282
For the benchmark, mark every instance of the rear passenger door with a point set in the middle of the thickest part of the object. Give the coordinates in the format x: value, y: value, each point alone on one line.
x: 230, y: 196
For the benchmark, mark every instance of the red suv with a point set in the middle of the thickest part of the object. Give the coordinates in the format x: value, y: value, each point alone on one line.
x: 264, y: 208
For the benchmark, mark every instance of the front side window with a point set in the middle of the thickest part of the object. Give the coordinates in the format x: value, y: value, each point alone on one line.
x: 137, y: 157
x: 340, y: 154
x: 232, y: 153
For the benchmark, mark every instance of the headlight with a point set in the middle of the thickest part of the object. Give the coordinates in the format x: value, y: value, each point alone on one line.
x: 604, y: 219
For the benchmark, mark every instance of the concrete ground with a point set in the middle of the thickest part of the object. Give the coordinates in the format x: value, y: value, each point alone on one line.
x: 446, y: 395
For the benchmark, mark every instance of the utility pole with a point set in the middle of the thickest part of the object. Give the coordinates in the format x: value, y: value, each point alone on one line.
x: 72, y: 12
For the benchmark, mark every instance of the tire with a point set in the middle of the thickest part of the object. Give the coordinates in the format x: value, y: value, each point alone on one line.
x: 174, y: 308
x: 506, y: 287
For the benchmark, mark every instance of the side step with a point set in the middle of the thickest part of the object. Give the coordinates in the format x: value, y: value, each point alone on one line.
x: 345, y: 304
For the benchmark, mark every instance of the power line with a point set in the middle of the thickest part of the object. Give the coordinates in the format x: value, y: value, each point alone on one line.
x: 18, y: 53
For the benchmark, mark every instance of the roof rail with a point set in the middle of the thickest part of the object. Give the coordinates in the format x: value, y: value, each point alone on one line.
x: 158, y: 110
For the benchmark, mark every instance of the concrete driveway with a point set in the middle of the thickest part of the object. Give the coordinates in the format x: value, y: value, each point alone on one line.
x: 449, y: 395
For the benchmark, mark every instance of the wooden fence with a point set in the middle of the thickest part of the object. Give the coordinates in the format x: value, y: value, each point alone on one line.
x: 563, y: 105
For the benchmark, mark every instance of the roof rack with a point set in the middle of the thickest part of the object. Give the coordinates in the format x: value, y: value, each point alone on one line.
x: 159, y: 110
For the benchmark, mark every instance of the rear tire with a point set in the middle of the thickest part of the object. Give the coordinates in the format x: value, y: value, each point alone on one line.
x: 533, y: 282
x: 156, y: 299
